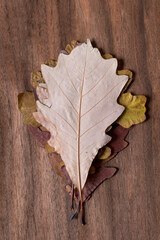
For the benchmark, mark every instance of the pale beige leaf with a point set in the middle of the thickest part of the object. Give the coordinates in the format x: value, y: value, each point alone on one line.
x: 76, y: 105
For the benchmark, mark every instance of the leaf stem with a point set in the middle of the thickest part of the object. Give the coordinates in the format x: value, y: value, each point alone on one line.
x: 72, y: 203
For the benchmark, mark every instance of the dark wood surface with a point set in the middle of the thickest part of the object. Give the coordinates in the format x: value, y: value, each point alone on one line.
x: 33, y: 202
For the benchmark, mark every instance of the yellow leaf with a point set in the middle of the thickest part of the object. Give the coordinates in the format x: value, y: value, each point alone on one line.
x: 51, y: 63
x: 106, y: 152
x: 101, y: 162
x: 27, y: 105
x: 135, y: 109
x: 129, y: 74
x: 125, y: 72
x: 70, y: 47
x: 107, y: 56
x: 92, y: 170
x: 36, y: 78
x: 49, y: 149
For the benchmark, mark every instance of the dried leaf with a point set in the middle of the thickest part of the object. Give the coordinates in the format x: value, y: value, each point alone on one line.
x: 57, y: 164
x: 49, y: 149
x: 51, y: 63
x: 77, y: 104
x: 40, y: 136
x: 117, y: 144
x: 134, y: 109
x: 129, y: 74
x: 27, y: 105
x: 104, y: 153
x: 107, y: 56
x: 92, y: 169
x: 36, y: 78
x: 118, y: 134
x: 71, y: 46
x: 125, y: 72
x: 96, y: 179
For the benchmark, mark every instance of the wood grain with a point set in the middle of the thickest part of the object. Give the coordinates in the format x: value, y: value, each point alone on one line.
x: 33, y: 202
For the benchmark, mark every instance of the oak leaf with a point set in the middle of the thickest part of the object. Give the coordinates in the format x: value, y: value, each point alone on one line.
x: 36, y: 78
x: 57, y: 164
x: 40, y: 136
x: 27, y: 105
x: 71, y: 46
x: 117, y: 144
x: 134, y: 109
x: 49, y: 149
x: 104, y: 153
x: 77, y: 104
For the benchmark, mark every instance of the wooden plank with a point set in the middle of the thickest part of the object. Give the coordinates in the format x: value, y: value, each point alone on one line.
x: 33, y: 202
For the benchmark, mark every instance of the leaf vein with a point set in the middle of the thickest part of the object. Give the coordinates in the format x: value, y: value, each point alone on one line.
x: 62, y: 92
x: 102, y: 98
x: 98, y: 80
x: 97, y: 123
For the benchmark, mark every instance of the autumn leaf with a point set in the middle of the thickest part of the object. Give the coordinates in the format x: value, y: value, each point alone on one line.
x: 117, y: 144
x: 134, y: 109
x: 118, y: 134
x: 49, y: 149
x: 40, y: 136
x: 57, y: 164
x: 51, y: 63
x: 59, y: 110
x: 129, y: 74
x: 96, y: 179
x: 107, y: 56
x: 36, y: 78
x: 92, y: 169
x: 27, y: 105
x: 71, y: 46
x: 104, y: 153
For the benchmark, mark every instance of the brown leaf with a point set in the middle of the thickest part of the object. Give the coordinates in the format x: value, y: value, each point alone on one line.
x: 96, y: 179
x: 40, y: 136
x: 118, y: 134
x: 57, y: 164
x: 117, y: 143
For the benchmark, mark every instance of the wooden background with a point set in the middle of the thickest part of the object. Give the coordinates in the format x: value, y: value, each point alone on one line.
x: 33, y: 202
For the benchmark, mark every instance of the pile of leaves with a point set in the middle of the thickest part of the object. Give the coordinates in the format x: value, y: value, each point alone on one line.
x: 134, y: 113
